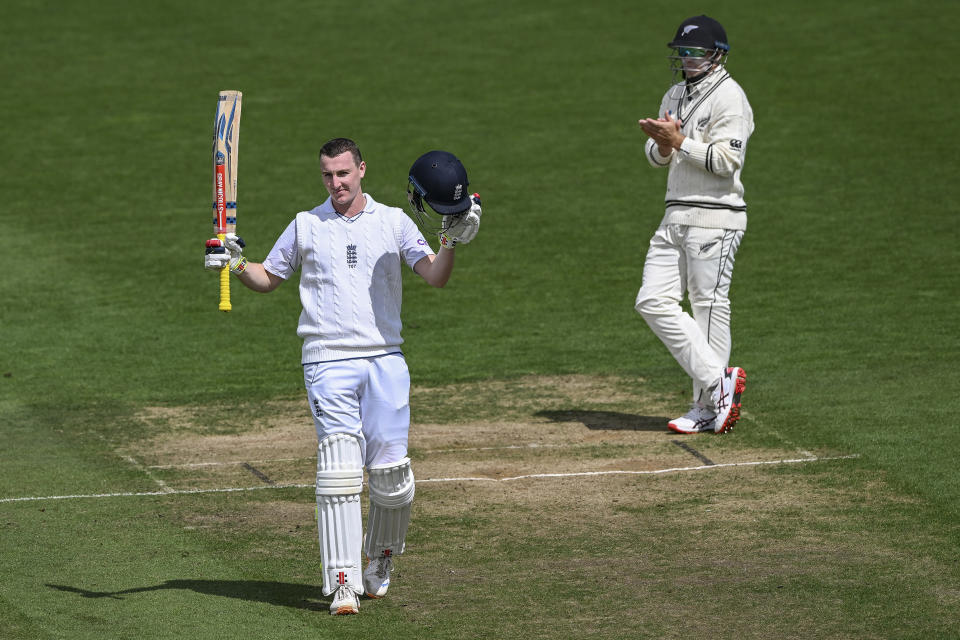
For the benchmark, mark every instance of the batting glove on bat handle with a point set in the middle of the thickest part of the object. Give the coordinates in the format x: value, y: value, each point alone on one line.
x: 226, y: 253
x: 235, y: 245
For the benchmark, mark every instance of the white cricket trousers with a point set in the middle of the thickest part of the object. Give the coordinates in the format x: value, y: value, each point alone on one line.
x: 368, y: 398
x: 698, y: 262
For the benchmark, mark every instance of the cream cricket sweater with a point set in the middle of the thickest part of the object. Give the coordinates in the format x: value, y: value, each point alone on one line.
x: 350, y: 280
x: 703, y: 186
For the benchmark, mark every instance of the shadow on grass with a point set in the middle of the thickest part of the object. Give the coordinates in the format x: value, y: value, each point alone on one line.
x: 282, y: 594
x: 609, y: 420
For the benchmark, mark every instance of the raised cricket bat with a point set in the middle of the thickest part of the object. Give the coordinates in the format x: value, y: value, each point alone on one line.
x: 226, y: 138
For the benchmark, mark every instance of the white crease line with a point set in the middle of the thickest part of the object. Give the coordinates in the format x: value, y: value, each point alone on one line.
x: 778, y: 435
x: 464, y: 479
x: 644, y: 473
x: 160, y: 483
x: 171, y: 492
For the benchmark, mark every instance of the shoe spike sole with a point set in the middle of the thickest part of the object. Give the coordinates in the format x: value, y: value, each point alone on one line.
x: 734, y: 415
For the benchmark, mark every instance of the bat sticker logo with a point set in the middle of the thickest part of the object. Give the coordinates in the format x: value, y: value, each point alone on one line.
x: 233, y: 112
x: 228, y: 139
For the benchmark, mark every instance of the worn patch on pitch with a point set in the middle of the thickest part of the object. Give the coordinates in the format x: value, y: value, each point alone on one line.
x: 490, y: 430
x: 503, y: 522
x: 568, y: 495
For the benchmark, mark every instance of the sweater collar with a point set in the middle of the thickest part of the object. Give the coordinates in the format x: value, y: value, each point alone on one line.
x: 712, y: 78
x: 368, y: 207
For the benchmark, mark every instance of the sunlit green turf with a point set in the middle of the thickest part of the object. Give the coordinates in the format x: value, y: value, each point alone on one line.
x: 845, y: 305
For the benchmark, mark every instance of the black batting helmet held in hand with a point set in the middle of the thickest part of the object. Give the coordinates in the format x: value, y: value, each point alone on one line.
x: 439, y: 178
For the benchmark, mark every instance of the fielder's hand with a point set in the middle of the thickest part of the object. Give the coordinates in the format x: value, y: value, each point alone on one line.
x: 463, y: 227
x: 225, y: 253
x: 666, y: 132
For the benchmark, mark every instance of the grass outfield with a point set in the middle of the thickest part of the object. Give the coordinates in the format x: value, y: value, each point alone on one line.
x: 551, y: 501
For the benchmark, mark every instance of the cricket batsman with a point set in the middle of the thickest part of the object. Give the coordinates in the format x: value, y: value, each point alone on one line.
x: 350, y: 251
x: 700, y: 134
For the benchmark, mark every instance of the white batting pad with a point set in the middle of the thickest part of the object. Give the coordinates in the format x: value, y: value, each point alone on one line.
x: 391, y: 493
x: 339, y: 483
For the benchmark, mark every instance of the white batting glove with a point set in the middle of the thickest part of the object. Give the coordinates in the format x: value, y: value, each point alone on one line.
x: 225, y: 253
x: 463, y: 227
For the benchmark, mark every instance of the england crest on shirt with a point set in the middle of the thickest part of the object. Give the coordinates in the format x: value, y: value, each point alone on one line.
x: 352, y: 256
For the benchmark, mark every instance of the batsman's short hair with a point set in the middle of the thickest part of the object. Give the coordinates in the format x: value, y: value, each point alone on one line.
x: 333, y: 148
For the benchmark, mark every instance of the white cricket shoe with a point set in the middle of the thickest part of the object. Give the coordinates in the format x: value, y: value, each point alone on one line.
x: 376, y: 577
x: 726, y: 398
x: 345, y: 601
x: 698, y: 419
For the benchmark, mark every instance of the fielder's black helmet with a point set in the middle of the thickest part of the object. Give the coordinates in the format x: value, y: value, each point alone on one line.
x: 439, y: 178
x: 702, y: 32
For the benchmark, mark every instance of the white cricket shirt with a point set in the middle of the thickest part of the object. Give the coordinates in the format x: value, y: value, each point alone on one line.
x: 704, y: 187
x: 350, y: 284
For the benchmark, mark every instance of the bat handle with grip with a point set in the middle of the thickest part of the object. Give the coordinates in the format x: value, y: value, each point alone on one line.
x: 224, y: 283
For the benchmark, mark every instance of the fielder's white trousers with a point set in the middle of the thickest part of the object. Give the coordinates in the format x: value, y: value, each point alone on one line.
x: 696, y: 262
x: 368, y: 398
